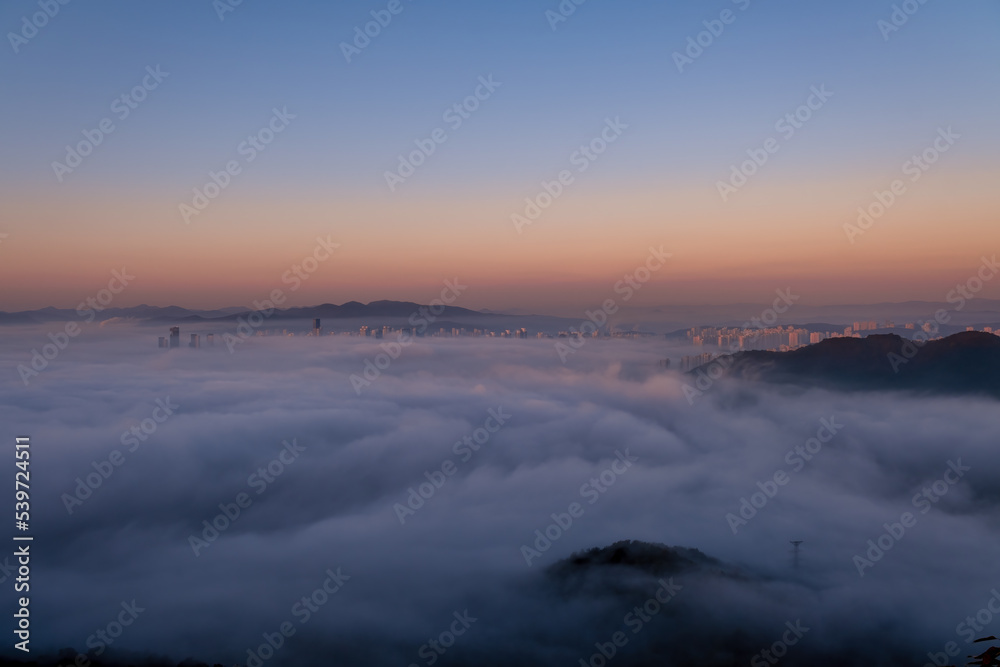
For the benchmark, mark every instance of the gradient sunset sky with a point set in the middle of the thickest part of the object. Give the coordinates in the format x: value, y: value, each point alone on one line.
x: 324, y: 175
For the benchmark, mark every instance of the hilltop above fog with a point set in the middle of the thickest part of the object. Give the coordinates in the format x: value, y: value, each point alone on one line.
x: 963, y: 363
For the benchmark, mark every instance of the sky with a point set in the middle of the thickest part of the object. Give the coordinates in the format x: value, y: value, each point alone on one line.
x: 347, y: 116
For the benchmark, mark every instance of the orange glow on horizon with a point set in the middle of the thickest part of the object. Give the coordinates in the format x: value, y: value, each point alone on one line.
x: 403, y: 249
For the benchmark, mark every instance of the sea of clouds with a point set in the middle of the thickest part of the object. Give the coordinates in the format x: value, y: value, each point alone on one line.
x: 332, y: 513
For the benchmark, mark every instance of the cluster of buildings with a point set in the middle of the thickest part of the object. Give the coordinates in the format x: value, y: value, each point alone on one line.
x: 610, y: 333
x: 454, y: 332
x: 779, y: 338
x: 926, y: 327
x: 738, y: 339
x: 195, y: 341
x: 730, y: 339
x: 872, y: 325
x: 174, y: 340
x: 696, y: 360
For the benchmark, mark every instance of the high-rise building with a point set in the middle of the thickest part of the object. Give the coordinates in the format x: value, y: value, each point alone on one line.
x: 317, y: 328
x: 163, y: 341
x: 210, y: 339
x: 195, y: 341
x: 175, y: 337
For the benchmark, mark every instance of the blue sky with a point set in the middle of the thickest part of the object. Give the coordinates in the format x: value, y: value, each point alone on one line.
x: 607, y: 59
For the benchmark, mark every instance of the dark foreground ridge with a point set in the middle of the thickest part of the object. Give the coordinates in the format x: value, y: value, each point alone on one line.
x: 631, y: 604
x: 652, y: 559
x: 963, y: 363
x: 70, y: 658
x: 625, y: 568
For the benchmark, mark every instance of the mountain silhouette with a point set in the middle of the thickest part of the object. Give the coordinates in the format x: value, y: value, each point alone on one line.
x: 963, y: 363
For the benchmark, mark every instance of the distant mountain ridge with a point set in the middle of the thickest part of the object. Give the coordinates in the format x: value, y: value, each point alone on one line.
x: 384, y: 308
x: 343, y: 317
x: 142, y: 312
x: 396, y: 313
x: 351, y: 309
